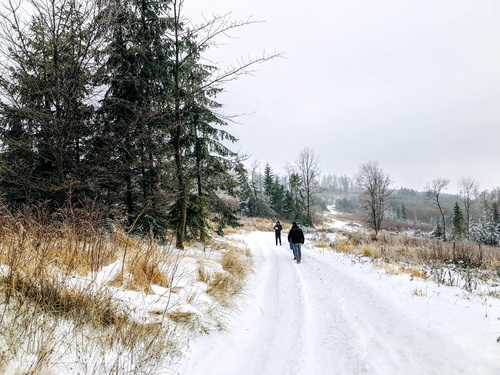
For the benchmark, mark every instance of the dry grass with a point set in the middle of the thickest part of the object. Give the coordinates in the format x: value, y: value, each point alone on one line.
x: 229, y: 283
x: 462, y: 264
x: 38, y: 248
x: 417, y: 272
x: 184, y: 317
x: 42, y: 315
x: 144, y: 264
x: 203, y: 274
x: 418, y: 292
x: 54, y: 298
x: 250, y: 224
x: 58, y: 304
x: 403, y: 248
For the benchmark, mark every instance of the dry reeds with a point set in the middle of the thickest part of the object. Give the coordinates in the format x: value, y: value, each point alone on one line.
x: 52, y: 303
x: 256, y: 224
x: 144, y: 263
x: 414, y: 249
x: 451, y: 263
x: 230, y: 282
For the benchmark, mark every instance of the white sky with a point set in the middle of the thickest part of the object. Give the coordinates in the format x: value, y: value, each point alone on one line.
x: 412, y: 84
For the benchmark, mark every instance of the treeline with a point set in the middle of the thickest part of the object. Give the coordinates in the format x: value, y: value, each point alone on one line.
x: 109, y: 106
x: 471, y: 214
x: 294, y: 197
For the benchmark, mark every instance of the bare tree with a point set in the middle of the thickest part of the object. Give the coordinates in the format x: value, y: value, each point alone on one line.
x: 433, y: 192
x: 469, y: 191
x: 376, y: 192
x: 309, y: 171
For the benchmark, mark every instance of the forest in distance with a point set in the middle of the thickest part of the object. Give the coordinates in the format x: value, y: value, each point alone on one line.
x: 472, y: 214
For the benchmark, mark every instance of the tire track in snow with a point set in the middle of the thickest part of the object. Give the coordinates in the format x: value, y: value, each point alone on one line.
x: 310, y: 329
x: 369, y: 333
x: 331, y: 341
x: 283, y: 315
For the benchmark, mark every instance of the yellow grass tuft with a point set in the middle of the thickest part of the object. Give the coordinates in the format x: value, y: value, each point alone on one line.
x: 345, y: 246
x: 203, y: 275
x: 179, y: 316
x: 416, y: 272
x: 234, y: 262
x: 322, y: 244
x: 143, y: 268
x: 229, y: 283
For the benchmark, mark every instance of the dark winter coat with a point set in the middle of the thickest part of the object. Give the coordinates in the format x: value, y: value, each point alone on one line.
x: 296, y: 235
x: 278, y: 228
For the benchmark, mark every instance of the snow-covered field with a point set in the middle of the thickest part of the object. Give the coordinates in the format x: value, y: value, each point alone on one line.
x: 334, y: 314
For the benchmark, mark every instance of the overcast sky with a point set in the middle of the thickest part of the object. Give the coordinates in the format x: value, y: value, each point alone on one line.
x: 411, y: 84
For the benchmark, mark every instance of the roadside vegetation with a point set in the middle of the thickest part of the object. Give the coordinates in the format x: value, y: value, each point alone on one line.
x: 465, y: 264
x: 78, y: 299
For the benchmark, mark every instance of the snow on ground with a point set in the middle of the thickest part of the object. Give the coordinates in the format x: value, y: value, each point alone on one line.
x: 331, y: 221
x: 333, y: 314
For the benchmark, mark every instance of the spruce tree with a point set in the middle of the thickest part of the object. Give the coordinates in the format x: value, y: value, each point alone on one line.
x: 403, y: 212
x: 278, y: 197
x: 268, y: 182
x: 46, y: 111
x: 129, y: 148
x: 458, y: 231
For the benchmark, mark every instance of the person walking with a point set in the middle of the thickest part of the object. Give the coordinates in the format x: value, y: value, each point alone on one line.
x: 296, y: 238
x: 277, y: 232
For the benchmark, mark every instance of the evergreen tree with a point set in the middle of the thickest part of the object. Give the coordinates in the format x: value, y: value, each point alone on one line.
x: 191, y: 84
x: 268, y: 182
x: 46, y: 116
x: 458, y: 231
x: 288, y: 206
x: 437, y: 232
x: 207, y: 160
x: 278, y: 197
x: 297, y: 212
x: 495, y: 213
x: 129, y: 147
x: 486, y: 231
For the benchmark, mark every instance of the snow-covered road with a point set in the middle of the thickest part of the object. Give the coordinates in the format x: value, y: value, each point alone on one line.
x: 333, y: 315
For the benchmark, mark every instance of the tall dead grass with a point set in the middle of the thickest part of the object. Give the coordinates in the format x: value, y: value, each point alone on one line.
x: 58, y: 303
x: 250, y: 224
x: 144, y: 263
x: 403, y: 248
x: 229, y: 283
x: 451, y: 263
x: 42, y: 314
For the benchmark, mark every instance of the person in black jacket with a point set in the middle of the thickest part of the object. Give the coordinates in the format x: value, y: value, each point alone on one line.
x: 277, y: 232
x: 296, y: 238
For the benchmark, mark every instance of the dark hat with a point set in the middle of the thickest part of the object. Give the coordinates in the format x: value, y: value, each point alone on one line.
x: 294, y: 223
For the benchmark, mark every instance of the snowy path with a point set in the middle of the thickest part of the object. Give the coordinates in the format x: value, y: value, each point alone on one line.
x: 329, y: 315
